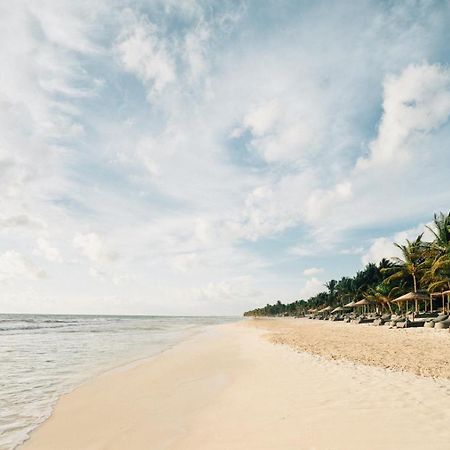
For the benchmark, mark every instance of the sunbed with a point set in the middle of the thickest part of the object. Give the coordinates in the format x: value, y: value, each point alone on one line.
x: 395, y: 319
x: 385, y: 318
x: 432, y: 323
x: 442, y: 324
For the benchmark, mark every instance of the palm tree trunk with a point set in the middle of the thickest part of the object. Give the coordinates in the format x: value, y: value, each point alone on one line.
x: 390, y: 307
x: 415, y: 290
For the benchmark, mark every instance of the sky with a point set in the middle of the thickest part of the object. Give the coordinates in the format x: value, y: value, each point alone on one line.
x: 196, y: 157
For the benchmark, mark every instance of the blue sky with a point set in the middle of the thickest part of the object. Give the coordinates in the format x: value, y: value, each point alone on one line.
x: 190, y: 157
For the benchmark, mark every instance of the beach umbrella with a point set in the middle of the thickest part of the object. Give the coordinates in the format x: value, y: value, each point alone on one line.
x: 328, y: 308
x: 410, y: 296
x: 437, y: 294
x: 362, y: 302
x: 448, y: 299
x: 350, y: 305
x: 339, y: 308
x: 442, y: 294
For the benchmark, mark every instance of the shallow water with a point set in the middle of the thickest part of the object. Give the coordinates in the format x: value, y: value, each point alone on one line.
x: 43, y: 356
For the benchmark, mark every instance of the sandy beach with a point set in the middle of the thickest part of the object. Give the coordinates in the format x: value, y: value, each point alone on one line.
x: 421, y: 351
x: 232, y: 387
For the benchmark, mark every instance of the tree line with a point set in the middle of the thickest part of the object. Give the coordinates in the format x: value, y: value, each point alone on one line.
x: 424, y: 266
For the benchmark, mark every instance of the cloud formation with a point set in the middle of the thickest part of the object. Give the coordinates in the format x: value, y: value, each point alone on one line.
x: 173, y: 158
x: 415, y: 103
x: 141, y: 52
x: 15, y: 265
x: 312, y: 271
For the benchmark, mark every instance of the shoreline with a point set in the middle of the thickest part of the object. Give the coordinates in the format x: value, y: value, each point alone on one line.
x: 67, y: 352
x: 230, y: 388
x: 122, y: 369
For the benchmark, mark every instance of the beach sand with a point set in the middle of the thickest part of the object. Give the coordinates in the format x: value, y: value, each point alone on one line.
x: 231, y: 388
x: 422, y: 351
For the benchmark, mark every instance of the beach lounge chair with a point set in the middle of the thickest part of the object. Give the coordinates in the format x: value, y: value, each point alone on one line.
x: 363, y: 319
x: 416, y: 323
x: 348, y: 317
x: 442, y: 324
x: 432, y: 322
x: 336, y: 317
x: 385, y: 318
x: 395, y: 319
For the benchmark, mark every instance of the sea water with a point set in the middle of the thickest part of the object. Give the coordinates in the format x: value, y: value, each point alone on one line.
x: 44, y: 356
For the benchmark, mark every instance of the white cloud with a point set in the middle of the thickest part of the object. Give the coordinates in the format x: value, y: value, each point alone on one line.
x: 384, y: 247
x: 226, y: 291
x: 380, y: 248
x: 239, y: 146
x: 20, y: 221
x: 321, y: 201
x: 93, y: 247
x: 303, y: 250
x: 415, y: 102
x: 283, y: 130
x: 262, y: 118
x: 14, y: 265
x: 312, y: 271
x: 312, y: 287
x: 49, y: 252
x: 195, y: 50
x: 393, y: 182
x: 352, y: 251
x: 186, y: 262
x: 143, y: 53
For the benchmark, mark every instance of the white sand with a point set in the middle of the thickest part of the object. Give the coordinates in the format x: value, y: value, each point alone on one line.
x: 422, y: 351
x: 231, y: 389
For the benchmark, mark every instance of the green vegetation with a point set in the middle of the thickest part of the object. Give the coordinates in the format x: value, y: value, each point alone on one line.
x: 423, y: 267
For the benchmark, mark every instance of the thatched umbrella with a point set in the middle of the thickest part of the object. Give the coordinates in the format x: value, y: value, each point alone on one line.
x: 411, y: 296
x: 350, y: 305
x: 362, y: 302
x: 436, y: 294
x: 326, y: 309
x: 442, y: 294
x: 448, y: 299
x: 338, y: 309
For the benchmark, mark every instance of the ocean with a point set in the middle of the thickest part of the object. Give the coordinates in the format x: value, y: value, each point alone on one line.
x: 45, y: 356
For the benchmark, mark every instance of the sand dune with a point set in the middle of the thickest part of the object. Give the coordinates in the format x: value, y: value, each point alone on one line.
x: 231, y: 389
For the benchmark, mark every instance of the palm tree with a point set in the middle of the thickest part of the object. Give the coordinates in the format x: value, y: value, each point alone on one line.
x: 421, y: 264
x: 411, y: 264
x: 438, y: 261
x: 384, y: 264
x: 345, y: 290
x: 331, y: 286
x: 382, y: 294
